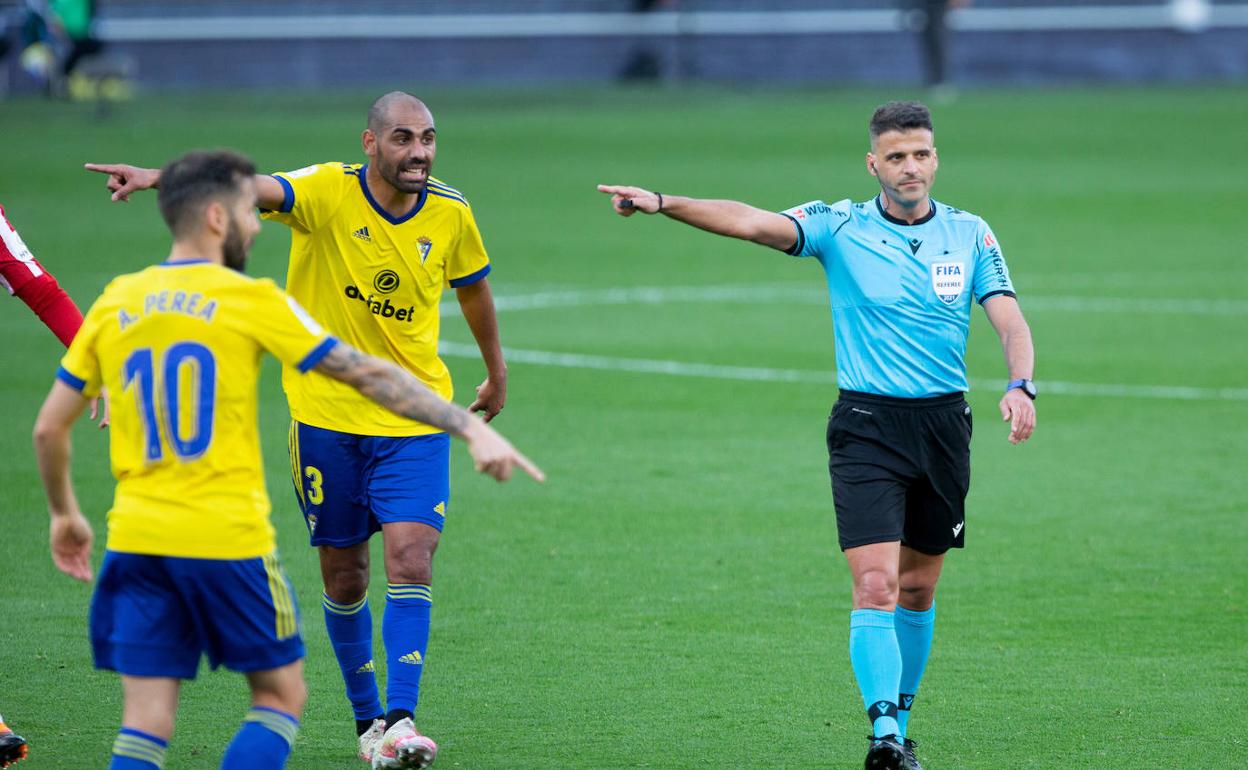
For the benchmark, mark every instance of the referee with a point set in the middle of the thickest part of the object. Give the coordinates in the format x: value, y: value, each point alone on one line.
x: 902, y: 272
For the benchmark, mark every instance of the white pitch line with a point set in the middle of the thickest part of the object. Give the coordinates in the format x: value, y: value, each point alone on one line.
x: 1231, y: 307
x: 765, y: 374
x: 764, y: 294
x: 808, y: 295
x: 645, y: 365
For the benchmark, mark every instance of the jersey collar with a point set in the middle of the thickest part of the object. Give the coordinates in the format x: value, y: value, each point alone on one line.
x: 890, y: 218
x: 420, y: 202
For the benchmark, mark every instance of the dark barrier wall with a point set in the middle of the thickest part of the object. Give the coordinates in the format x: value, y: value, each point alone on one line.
x: 975, y: 58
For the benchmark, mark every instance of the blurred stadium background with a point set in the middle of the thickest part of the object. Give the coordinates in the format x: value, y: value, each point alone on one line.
x: 673, y: 598
x: 317, y: 43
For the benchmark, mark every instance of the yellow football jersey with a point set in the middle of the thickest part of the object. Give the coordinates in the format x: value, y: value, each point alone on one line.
x: 178, y: 347
x: 375, y: 281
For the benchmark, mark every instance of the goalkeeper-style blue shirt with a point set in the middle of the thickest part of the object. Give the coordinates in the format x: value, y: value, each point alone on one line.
x: 901, y: 293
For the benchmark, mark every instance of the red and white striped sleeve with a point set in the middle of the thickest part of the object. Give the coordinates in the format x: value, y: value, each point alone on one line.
x: 23, y: 276
x: 17, y: 265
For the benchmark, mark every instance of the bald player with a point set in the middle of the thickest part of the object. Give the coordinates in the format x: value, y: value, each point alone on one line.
x: 373, y: 245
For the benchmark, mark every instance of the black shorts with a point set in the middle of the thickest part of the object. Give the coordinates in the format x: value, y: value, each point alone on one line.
x: 900, y: 469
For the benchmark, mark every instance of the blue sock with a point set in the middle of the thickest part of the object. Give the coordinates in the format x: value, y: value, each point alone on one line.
x: 263, y: 742
x: 137, y: 750
x: 914, y: 639
x: 350, y: 628
x: 877, y: 665
x: 405, y: 630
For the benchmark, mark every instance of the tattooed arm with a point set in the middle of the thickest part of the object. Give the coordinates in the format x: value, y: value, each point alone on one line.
x: 403, y: 394
x: 393, y: 388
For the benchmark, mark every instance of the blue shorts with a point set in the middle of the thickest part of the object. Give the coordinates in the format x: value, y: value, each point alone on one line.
x: 349, y: 485
x: 156, y: 615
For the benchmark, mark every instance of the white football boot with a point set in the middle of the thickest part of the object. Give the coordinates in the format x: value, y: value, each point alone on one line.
x: 402, y: 748
x: 371, y: 739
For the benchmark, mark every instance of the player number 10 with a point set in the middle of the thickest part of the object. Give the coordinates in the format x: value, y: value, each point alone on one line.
x: 148, y: 381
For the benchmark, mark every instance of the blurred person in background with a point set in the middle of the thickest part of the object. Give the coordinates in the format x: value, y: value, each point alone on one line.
x: 56, y: 35
x: 76, y: 20
x: 37, y: 44
x: 644, y: 63
x: 928, y: 19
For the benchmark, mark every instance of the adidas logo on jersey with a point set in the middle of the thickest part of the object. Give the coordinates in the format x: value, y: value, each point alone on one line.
x: 367, y: 668
x: 363, y: 235
x: 414, y: 657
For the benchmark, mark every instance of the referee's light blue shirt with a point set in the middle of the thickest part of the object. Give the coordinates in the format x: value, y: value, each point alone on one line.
x: 901, y: 294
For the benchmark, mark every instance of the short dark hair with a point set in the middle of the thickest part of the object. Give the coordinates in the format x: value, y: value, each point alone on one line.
x: 197, y: 178
x: 900, y: 116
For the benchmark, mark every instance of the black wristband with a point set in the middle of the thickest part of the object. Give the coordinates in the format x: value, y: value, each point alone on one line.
x: 660, y: 208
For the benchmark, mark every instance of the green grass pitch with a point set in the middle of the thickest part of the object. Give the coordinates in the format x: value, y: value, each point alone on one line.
x: 673, y: 597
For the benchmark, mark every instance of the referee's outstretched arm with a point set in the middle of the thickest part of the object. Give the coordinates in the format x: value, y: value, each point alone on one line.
x: 1017, y: 408
x: 731, y: 218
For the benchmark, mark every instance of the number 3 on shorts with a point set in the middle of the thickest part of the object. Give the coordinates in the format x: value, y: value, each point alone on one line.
x: 316, y: 495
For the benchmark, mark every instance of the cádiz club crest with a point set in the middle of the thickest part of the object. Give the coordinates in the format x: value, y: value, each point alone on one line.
x: 424, y: 244
x: 948, y: 279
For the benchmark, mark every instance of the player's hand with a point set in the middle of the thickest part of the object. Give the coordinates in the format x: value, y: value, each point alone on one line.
x: 494, y: 456
x: 491, y: 395
x: 124, y: 179
x: 629, y: 200
x: 71, y: 545
x: 99, y: 406
x: 1020, y: 412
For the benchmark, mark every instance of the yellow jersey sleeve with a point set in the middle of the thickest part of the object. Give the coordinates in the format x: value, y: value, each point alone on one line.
x: 467, y: 263
x: 312, y: 194
x: 80, y: 367
x: 286, y: 330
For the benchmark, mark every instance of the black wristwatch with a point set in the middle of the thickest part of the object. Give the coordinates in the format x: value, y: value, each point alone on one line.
x: 1027, y: 386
